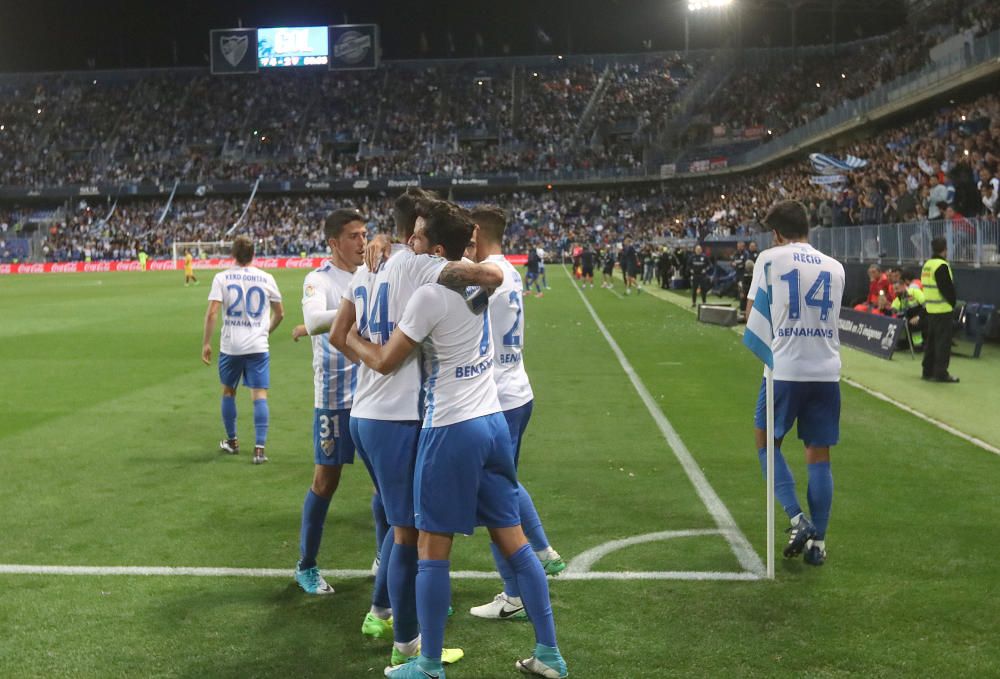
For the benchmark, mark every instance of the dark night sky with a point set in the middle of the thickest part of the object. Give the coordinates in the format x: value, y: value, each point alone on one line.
x: 38, y: 35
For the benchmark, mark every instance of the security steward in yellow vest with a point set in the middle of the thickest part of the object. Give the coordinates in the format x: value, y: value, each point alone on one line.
x: 910, y: 304
x: 940, y: 299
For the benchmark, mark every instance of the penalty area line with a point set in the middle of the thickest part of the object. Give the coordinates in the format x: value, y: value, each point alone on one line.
x: 344, y: 574
x: 738, y: 542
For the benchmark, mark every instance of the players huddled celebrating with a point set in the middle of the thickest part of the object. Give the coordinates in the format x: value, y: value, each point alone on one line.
x: 418, y: 369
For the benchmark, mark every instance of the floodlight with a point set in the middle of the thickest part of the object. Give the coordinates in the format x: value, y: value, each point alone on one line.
x: 698, y: 5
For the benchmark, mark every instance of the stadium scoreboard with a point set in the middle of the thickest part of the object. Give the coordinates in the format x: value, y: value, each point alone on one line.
x: 340, y: 47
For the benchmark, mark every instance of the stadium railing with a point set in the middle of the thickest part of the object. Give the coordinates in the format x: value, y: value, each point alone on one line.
x: 970, y: 241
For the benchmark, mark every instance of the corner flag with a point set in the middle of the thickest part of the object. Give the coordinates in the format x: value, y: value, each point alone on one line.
x: 758, y: 336
x: 759, y: 332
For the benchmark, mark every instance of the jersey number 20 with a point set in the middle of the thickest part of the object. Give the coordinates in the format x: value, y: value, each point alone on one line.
x: 254, y: 302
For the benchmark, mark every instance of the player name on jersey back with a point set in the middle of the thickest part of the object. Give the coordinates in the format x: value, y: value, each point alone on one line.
x: 806, y: 290
x: 507, y: 328
x: 246, y: 294
x: 457, y: 353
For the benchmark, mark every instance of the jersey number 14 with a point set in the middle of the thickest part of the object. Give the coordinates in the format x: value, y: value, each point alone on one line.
x: 818, y: 295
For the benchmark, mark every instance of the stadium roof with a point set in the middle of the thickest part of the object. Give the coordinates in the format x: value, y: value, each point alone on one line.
x: 47, y: 35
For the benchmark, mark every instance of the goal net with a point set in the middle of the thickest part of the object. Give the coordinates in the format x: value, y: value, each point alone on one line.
x: 203, y: 249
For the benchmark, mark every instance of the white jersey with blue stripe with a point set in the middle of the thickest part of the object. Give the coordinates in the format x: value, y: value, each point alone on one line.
x: 805, y: 288
x: 335, y: 378
x: 246, y: 294
x: 380, y: 300
x: 507, y: 326
x: 457, y: 350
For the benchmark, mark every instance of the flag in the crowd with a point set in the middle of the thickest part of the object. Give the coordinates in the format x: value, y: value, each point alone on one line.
x: 825, y: 164
x: 827, y: 179
x: 759, y: 333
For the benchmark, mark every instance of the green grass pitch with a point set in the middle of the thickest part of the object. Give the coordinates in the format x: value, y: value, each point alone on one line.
x: 109, y: 427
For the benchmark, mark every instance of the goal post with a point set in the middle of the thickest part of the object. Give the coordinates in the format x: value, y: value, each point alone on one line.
x: 220, y: 249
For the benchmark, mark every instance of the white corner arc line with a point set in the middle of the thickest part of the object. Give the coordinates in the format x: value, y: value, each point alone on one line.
x: 344, y: 574
x: 738, y: 542
x: 883, y: 397
x: 583, y: 562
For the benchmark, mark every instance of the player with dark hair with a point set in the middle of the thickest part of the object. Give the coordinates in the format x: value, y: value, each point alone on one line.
x: 334, y: 380
x: 252, y: 304
x: 516, y: 400
x: 385, y: 416
x: 465, y: 470
x: 799, y: 289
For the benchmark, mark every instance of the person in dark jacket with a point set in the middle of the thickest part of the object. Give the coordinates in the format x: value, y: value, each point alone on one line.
x: 939, y: 301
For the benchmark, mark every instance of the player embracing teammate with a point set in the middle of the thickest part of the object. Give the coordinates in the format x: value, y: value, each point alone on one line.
x: 464, y: 469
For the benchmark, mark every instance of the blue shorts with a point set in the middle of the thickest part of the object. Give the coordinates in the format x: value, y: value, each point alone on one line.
x: 255, y: 369
x: 517, y: 422
x: 465, y: 477
x: 332, y: 442
x: 389, y: 450
x: 816, y: 406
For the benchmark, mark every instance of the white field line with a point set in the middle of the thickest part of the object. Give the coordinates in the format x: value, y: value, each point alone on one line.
x: 583, y: 562
x: 738, y: 542
x: 25, y: 569
x: 926, y: 418
x: 882, y: 397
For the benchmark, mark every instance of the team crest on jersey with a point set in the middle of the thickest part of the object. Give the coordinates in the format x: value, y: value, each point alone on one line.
x: 310, y: 291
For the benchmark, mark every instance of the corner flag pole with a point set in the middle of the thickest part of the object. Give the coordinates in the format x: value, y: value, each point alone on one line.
x: 769, y: 397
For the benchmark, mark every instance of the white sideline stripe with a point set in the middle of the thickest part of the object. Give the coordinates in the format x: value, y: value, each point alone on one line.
x: 926, y: 418
x: 27, y: 569
x: 882, y: 397
x: 738, y: 542
x: 583, y: 562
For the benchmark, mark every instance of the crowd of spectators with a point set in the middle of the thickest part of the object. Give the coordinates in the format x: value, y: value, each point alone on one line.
x: 788, y: 93
x: 944, y: 166
x: 455, y: 118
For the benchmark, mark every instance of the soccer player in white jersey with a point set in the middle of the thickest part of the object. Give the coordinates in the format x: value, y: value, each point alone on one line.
x: 251, y: 306
x: 465, y: 474
x: 385, y: 417
x: 516, y: 400
x: 334, y: 379
x: 804, y: 290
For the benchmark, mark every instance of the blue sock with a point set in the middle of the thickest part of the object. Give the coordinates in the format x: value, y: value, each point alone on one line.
x: 820, y: 496
x: 229, y: 415
x: 534, y: 594
x: 433, y: 599
x: 313, y: 517
x: 381, y: 523
x: 784, y: 482
x: 380, y: 593
x: 510, y: 587
x: 260, y: 420
x: 530, y: 523
x: 403, y: 593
